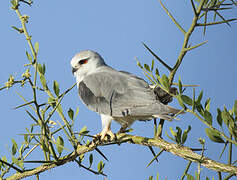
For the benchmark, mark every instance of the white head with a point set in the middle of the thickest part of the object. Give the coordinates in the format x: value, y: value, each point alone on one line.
x: 85, y: 63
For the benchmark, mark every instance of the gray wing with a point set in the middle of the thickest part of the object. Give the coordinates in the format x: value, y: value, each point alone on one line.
x: 119, y: 94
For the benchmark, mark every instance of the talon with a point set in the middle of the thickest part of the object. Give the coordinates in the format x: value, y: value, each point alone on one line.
x: 105, y: 132
x: 123, y: 129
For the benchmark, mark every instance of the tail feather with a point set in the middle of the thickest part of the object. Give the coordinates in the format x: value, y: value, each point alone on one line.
x: 157, y: 110
x: 174, y: 110
x: 163, y: 116
x: 169, y: 114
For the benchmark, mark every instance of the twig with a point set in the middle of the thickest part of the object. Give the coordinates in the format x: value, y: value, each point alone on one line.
x: 193, y: 47
x: 172, y: 18
x: 12, y: 166
x: 186, y: 170
x: 155, y: 157
x: 159, y: 59
x: 214, y: 23
x: 89, y: 169
x: 153, y: 153
x: 193, y: 6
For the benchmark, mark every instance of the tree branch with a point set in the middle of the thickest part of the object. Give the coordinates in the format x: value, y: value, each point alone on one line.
x: 177, y: 150
x: 185, y: 43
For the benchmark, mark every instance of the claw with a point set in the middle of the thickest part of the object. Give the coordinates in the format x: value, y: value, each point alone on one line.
x: 105, y: 132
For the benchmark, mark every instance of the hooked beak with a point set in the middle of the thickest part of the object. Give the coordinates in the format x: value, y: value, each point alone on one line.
x: 74, y: 70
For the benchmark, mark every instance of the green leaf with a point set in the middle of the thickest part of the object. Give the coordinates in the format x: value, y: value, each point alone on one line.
x: 196, y: 175
x: 17, y: 29
x: 179, y: 133
x: 214, y: 135
x: 180, y: 101
x: 14, y: 147
x: 225, y: 115
x: 77, y: 111
x: 146, y: 66
x: 208, y: 117
x: 31, y: 129
x: 26, y: 139
x: 17, y: 162
x: 180, y: 86
x: 200, y: 109
x: 21, y: 164
x: 60, y: 144
x: 83, y: 130
x: 139, y: 64
x: 88, y: 142
x: 56, y: 88
x: 165, y: 81
x: 193, y: 104
x: 152, y: 65
x: 200, y: 97
x: 100, y: 166
x: 157, y: 72
x: 190, y: 177
x: 233, y: 130
x: 43, y: 82
x: 235, y: 108
x: 151, y: 178
x: 185, y: 134
x: 91, y: 159
x: 169, y: 136
x: 51, y: 101
x: 4, y: 158
x: 172, y: 132
x: 157, y: 176
x: 187, y: 100
x: 14, y: 3
x: 29, y: 57
x: 37, y: 47
x: 43, y: 69
x: 44, y: 146
x: 81, y: 157
x: 219, y: 118
x: 207, y: 104
x: 21, y: 151
x: 70, y: 113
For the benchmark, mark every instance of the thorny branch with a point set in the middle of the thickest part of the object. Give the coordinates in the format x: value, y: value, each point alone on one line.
x: 181, y: 151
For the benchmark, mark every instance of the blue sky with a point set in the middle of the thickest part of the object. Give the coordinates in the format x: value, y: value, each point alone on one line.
x: 116, y: 29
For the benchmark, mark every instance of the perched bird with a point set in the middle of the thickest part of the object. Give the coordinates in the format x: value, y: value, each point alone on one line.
x: 116, y: 95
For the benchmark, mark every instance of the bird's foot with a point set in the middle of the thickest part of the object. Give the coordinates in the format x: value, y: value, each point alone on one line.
x: 105, y: 132
x: 122, y: 130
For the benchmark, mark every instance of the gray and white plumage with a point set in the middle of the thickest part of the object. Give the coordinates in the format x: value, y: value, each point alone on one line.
x: 115, y: 95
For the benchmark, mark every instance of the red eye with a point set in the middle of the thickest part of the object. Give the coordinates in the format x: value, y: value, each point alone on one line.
x: 83, y: 61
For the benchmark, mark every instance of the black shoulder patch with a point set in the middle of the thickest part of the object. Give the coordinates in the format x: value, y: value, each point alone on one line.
x: 86, y: 94
x: 98, y: 104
